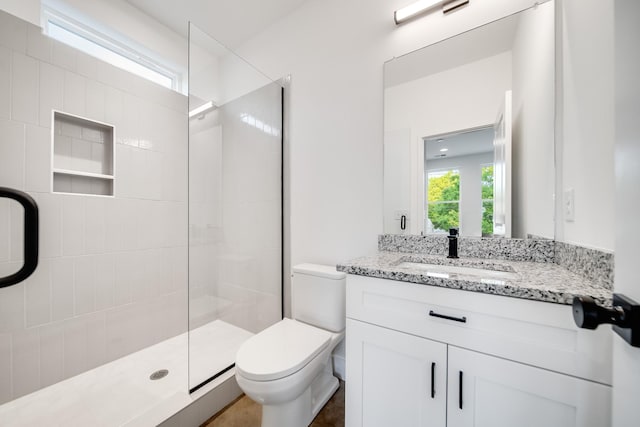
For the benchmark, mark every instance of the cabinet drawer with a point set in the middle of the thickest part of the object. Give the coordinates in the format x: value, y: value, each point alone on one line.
x: 536, y: 333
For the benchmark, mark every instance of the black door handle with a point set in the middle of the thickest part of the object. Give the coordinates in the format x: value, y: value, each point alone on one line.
x: 403, y: 222
x: 624, y: 316
x: 460, y: 390
x: 433, y: 380
x: 462, y: 319
x: 30, y: 236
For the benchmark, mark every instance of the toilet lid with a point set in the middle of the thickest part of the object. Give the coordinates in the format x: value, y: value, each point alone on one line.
x: 280, y: 350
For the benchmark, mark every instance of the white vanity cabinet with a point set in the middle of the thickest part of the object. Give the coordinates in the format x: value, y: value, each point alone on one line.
x: 397, y: 380
x: 511, y: 362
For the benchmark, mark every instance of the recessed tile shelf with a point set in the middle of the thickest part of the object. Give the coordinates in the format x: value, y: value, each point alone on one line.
x: 83, y: 156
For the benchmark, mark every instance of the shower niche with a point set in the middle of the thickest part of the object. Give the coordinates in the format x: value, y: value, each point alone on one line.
x: 83, y: 156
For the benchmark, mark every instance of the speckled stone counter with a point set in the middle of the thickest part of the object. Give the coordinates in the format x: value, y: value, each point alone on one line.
x: 545, y: 282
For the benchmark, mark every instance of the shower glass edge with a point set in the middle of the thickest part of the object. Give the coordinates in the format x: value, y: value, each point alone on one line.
x: 235, y: 208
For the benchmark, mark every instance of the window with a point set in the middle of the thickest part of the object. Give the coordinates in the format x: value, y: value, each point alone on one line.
x: 487, y: 200
x: 89, y: 41
x: 443, y: 201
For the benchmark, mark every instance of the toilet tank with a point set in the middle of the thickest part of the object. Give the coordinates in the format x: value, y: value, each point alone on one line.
x: 318, y: 296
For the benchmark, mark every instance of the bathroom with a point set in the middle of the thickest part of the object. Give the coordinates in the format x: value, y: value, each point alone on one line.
x: 329, y: 57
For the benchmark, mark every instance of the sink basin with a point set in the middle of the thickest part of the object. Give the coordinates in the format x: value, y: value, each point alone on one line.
x: 447, y: 271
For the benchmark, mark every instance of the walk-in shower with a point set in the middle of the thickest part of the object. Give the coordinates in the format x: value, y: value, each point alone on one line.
x: 160, y: 232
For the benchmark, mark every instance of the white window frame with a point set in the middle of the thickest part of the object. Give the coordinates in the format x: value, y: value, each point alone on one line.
x: 51, y: 16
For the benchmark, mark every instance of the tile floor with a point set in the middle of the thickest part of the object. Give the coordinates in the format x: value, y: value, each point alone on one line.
x: 244, y: 412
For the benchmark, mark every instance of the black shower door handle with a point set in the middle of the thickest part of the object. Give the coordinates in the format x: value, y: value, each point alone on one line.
x: 30, y: 236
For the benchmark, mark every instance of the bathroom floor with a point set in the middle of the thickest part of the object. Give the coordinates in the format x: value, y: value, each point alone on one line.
x: 244, y: 412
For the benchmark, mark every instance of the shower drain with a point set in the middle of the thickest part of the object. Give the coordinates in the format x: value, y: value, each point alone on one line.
x: 157, y: 375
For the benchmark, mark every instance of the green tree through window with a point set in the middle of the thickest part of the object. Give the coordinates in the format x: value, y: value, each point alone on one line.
x: 487, y: 200
x: 443, y: 200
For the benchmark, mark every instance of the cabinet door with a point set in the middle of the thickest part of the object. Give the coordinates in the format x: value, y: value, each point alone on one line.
x: 486, y: 391
x: 394, y: 379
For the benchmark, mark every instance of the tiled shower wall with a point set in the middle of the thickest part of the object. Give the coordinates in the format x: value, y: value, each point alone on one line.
x: 112, y: 273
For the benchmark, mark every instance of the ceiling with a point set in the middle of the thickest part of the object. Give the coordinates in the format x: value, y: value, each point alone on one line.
x: 460, y: 143
x: 232, y: 22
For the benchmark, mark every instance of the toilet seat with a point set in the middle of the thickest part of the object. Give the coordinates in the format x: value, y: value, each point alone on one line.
x: 280, y: 350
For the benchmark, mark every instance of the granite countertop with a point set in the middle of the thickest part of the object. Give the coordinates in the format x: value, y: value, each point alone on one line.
x: 537, y: 281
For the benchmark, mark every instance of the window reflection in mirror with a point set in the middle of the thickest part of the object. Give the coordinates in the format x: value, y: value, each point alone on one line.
x: 459, y: 166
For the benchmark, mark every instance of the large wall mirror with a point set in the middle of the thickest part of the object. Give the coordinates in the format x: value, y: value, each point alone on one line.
x: 469, y: 132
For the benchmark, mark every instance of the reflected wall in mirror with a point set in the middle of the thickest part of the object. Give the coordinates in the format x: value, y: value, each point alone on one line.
x: 493, y: 85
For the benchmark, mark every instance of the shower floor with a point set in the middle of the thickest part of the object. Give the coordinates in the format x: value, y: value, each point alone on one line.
x: 120, y: 393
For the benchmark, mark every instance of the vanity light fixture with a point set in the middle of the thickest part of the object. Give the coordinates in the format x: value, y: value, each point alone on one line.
x: 423, y: 6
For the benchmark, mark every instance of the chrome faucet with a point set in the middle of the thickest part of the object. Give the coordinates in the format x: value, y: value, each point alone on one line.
x: 453, y: 243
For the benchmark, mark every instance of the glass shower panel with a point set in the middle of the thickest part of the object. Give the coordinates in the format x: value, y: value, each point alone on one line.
x: 235, y: 205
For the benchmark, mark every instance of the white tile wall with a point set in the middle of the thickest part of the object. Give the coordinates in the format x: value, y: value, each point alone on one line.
x: 5, y: 224
x: 38, y: 153
x: 51, y: 92
x: 5, y: 83
x: 112, y: 271
x: 25, y: 357
x: 64, y: 56
x: 51, y: 354
x: 24, y: 88
x: 12, y: 306
x: 37, y: 46
x: 16, y: 248
x: 62, y: 300
x: 12, y: 153
x: 13, y: 33
x: 95, y: 103
x: 38, y: 295
x: 75, y: 92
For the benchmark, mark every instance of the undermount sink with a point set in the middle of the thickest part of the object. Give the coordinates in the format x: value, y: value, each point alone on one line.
x: 446, y: 271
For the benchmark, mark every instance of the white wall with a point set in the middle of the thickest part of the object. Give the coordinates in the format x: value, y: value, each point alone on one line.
x: 588, y: 122
x: 28, y: 10
x: 460, y: 98
x: 470, y: 168
x: 533, y: 177
x: 398, y: 183
x: 112, y: 272
x: 334, y: 51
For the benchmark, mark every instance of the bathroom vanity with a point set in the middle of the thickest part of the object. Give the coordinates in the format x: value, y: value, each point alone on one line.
x: 472, y: 342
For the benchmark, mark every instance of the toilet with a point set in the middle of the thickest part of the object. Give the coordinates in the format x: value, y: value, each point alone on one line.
x: 288, y: 368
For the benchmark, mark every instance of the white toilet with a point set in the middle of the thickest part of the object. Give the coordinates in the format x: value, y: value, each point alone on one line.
x: 288, y: 367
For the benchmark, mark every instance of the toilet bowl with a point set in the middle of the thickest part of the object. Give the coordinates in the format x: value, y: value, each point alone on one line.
x: 287, y: 368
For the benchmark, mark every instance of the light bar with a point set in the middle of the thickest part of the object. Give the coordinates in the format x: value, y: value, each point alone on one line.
x: 202, y: 109
x: 414, y: 9
x: 423, y: 6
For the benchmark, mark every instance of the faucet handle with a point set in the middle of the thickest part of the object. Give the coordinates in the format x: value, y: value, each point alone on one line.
x: 453, y: 232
